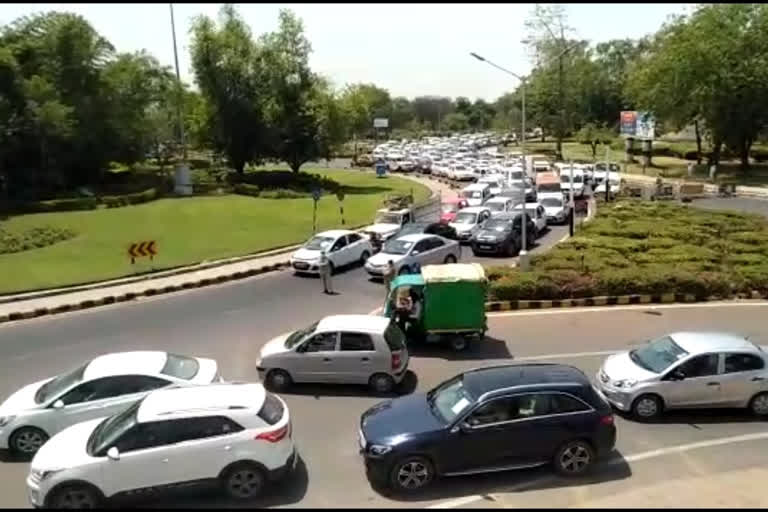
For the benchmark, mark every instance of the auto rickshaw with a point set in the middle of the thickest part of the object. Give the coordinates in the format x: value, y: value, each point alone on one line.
x: 443, y: 304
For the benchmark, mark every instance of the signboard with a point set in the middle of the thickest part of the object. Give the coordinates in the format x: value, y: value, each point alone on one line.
x: 381, y: 169
x: 140, y: 249
x: 646, y: 126
x: 628, y: 121
x: 381, y: 122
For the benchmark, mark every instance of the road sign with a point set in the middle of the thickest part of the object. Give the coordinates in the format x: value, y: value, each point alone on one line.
x: 381, y: 169
x: 340, y: 195
x: 381, y: 122
x: 142, y: 249
x: 316, y: 194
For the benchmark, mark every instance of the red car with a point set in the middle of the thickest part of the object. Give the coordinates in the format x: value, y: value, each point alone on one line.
x: 451, y: 207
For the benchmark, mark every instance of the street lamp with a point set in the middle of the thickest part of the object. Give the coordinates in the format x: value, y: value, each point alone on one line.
x: 523, y: 81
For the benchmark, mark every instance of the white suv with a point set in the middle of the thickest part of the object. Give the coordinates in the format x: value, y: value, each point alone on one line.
x: 236, y: 434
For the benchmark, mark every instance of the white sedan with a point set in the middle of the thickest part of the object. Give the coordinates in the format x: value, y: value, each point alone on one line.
x: 100, y: 387
x: 407, y: 251
x: 342, y: 246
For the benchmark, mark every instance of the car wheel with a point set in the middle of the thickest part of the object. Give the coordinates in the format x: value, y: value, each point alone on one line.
x: 27, y: 440
x: 74, y: 496
x: 512, y: 249
x: 759, y: 405
x: 411, y: 474
x: 450, y: 259
x: 243, y: 481
x: 381, y: 383
x: 459, y: 343
x: 574, y: 458
x: 278, y: 380
x: 404, y: 270
x: 364, y: 257
x: 647, y: 407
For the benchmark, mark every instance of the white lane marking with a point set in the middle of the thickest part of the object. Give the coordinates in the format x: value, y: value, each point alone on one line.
x: 600, y: 309
x: 464, y: 500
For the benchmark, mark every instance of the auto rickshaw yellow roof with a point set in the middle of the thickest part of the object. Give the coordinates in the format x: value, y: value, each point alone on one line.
x: 453, y: 272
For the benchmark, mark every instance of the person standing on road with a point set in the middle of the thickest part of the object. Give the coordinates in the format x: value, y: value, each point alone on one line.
x: 389, y: 276
x: 325, y: 273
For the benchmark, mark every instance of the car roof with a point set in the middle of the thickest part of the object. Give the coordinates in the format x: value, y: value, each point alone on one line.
x: 473, y: 209
x: 200, y: 401
x: 476, y: 186
x: 140, y: 362
x: 416, y: 237
x: 498, y: 378
x: 356, y: 323
x: 531, y: 204
x: 697, y: 342
x: 499, y: 199
x: 335, y: 233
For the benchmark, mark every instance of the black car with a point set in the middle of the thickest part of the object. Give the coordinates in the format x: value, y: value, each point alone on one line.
x: 502, y: 235
x: 430, y: 228
x: 490, y: 419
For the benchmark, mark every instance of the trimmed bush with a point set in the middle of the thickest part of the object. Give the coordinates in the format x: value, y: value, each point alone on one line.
x: 246, y: 190
x: 130, y: 199
x: 34, y: 238
x: 65, y: 205
x: 283, y: 194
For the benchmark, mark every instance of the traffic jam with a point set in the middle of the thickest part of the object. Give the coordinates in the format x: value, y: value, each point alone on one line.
x: 126, y: 424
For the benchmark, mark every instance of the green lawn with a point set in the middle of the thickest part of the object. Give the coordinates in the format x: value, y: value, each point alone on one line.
x: 187, y: 231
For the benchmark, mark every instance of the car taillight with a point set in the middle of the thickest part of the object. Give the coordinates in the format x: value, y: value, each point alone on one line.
x: 273, y: 436
x: 395, y: 361
x: 607, y: 420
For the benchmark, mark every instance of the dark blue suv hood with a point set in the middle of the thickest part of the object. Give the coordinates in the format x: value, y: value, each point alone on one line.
x: 405, y: 416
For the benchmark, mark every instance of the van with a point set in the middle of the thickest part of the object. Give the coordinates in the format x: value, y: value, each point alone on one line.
x: 548, y: 184
x: 477, y: 193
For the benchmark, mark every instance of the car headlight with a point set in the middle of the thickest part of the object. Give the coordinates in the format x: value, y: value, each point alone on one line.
x: 41, y: 475
x: 4, y: 420
x: 379, y: 449
x: 625, y: 383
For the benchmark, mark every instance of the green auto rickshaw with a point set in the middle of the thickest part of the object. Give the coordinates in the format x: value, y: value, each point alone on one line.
x: 443, y: 304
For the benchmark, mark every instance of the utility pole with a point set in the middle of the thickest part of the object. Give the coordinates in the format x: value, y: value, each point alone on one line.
x: 561, y: 84
x: 180, y: 100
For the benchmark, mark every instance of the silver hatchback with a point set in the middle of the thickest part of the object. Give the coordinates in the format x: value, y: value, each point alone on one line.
x: 343, y: 349
x: 687, y: 370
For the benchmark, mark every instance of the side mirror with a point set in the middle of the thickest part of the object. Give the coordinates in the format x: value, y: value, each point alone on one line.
x: 415, y: 253
x: 678, y: 375
x: 58, y: 404
x: 113, y: 453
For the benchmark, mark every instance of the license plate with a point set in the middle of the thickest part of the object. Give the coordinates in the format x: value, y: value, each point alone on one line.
x: 302, y: 266
x: 486, y: 247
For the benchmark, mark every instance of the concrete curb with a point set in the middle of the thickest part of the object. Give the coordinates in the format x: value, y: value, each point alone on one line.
x: 616, y: 300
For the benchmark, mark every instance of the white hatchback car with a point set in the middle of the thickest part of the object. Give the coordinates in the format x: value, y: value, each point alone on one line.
x: 100, y: 387
x: 343, y: 248
x: 236, y: 434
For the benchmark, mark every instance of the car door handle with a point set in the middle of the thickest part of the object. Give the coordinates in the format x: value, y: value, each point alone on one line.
x: 326, y: 359
x: 713, y: 383
x: 165, y: 461
x: 368, y: 359
x: 227, y: 448
x: 757, y: 379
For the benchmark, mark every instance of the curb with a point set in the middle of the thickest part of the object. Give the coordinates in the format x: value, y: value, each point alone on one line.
x: 615, y: 300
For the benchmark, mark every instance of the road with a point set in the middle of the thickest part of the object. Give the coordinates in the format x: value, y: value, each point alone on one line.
x: 232, y: 321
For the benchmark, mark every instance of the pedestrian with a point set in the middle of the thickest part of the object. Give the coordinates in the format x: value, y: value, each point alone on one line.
x: 325, y: 273
x: 389, y: 276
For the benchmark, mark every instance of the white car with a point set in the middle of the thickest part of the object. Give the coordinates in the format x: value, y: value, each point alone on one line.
x: 499, y: 205
x: 577, y: 185
x: 103, y: 386
x: 537, y: 213
x: 343, y: 247
x: 469, y: 221
x: 555, y: 208
x: 496, y: 181
x: 614, y: 179
x: 461, y: 172
x: 236, y: 434
x: 406, y: 251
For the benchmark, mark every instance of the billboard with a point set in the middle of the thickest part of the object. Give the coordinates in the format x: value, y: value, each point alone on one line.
x: 381, y: 122
x: 628, y: 121
x: 637, y: 125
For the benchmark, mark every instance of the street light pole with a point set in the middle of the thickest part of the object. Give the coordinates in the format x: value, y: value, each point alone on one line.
x: 180, y: 105
x: 571, y: 206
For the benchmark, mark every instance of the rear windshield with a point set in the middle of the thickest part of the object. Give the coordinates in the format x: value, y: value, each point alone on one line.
x: 181, y: 367
x: 272, y: 410
x: 394, y: 337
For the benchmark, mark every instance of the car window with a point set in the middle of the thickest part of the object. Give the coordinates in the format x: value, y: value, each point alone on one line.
x: 563, y: 404
x: 146, y: 435
x: 421, y: 246
x: 181, y: 367
x: 99, y: 389
x: 352, y: 238
x: 321, y: 342
x: 272, y: 409
x: 355, y: 341
x: 340, y: 243
x: 510, y: 408
x: 190, y: 429
x: 700, y: 366
x: 742, y: 363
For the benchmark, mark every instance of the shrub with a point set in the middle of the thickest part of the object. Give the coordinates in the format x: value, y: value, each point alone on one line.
x: 287, y: 180
x: 34, y: 238
x: 247, y: 190
x: 754, y: 278
x: 129, y: 199
x: 66, y: 205
x: 518, y: 286
x: 283, y: 194
x: 746, y: 259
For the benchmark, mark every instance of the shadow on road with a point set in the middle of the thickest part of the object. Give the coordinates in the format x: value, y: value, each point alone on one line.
x: 407, y: 386
x: 488, y: 348
x: 520, y: 481
x: 701, y: 417
x: 8, y: 456
x: 289, y: 491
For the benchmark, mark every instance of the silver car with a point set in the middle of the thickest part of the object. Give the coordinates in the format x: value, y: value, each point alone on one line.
x: 687, y: 370
x: 343, y: 349
x: 407, y: 251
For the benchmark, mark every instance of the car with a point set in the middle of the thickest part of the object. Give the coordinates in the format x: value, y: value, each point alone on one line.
x: 469, y: 220
x: 237, y: 435
x: 450, y: 207
x: 431, y: 228
x: 104, y: 385
x: 502, y: 235
x: 460, y: 172
x: 338, y: 349
x: 343, y: 248
x: 497, y: 418
x: 477, y: 193
x: 538, y: 215
x: 555, y: 208
x: 407, y: 251
x: 496, y: 181
x: 577, y: 185
x: 686, y: 370
x: 499, y: 205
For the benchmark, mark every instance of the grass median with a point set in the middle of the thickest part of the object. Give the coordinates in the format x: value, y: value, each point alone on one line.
x: 187, y: 231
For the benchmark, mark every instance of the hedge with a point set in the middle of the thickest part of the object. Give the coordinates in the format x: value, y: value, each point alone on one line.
x: 246, y: 189
x: 34, y: 238
x: 129, y: 199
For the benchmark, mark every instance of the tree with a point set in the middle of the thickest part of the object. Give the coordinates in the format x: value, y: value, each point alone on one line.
x: 593, y: 135
x: 402, y: 113
x: 456, y: 122
x: 362, y: 103
x: 430, y: 110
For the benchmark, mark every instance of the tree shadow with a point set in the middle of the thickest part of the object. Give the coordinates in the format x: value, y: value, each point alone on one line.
x: 407, y: 386
x: 487, y: 348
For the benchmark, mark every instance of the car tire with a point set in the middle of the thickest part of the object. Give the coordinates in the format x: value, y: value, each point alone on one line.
x: 574, y: 458
x: 364, y: 257
x: 647, y: 407
x: 404, y: 270
x: 27, y: 440
x: 381, y: 383
x: 450, y: 259
x: 278, y: 380
x: 459, y: 343
x: 74, y: 496
x: 243, y: 481
x: 759, y: 405
x: 411, y: 474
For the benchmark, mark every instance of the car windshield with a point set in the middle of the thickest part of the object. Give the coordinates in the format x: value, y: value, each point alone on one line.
x: 658, y: 355
x: 181, y: 367
x: 551, y: 202
x: 465, y: 218
x: 498, y: 225
x: 473, y: 194
x: 319, y: 243
x: 519, y: 185
x: 448, y: 400
x: 109, y: 431
x: 450, y: 207
x: 297, y: 336
x: 564, y: 178
x: 578, y: 179
x: 58, y: 385
x: 387, y: 218
x: 495, y: 206
x: 549, y: 187
x: 398, y: 247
